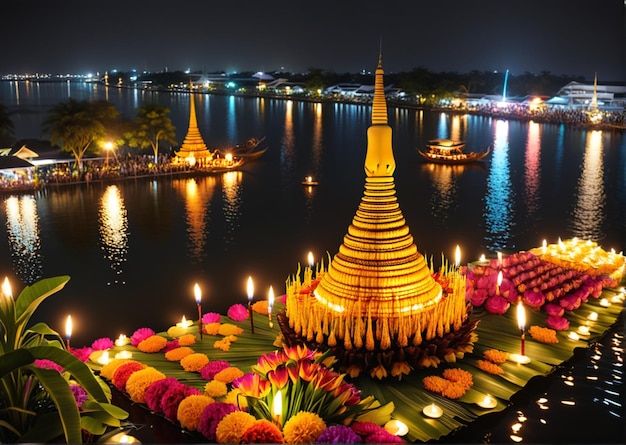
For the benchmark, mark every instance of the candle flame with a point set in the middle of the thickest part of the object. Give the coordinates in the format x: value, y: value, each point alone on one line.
x: 482, y: 258
x: 250, y: 288
x: 310, y: 258
x: 521, y: 315
x: 499, y: 258
x: 270, y: 300
x: 277, y: 405
x: 197, y: 293
x: 499, y: 278
x: 68, y: 327
x: 457, y: 256
x: 6, y: 288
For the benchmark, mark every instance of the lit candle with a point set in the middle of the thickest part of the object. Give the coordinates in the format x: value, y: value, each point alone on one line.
x: 124, y: 354
x: 123, y: 438
x: 482, y: 258
x: 573, y: 336
x: 184, y: 323
x: 6, y: 288
x: 68, y: 331
x: 198, y: 294
x: 270, y: 303
x: 277, y: 407
x: 250, y: 296
x: 104, y: 359
x: 604, y: 302
x: 521, y: 322
x: 457, y: 256
x: 544, y: 247
x: 122, y: 340
x: 593, y: 316
x: 396, y: 427
x: 487, y: 402
x: 432, y: 411
x: 583, y: 330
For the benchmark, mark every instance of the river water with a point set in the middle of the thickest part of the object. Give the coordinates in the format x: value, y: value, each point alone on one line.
x: 134, y: 249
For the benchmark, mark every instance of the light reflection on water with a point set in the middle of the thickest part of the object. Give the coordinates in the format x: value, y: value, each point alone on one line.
x: 231, y: 193
x: 23, y: 237
x: 532, y: 168
x: 114, y: 231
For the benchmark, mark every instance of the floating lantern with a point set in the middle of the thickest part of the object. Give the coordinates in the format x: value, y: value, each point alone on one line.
x: 250, y: 289
x: 68, y: 331
x: 198, y: 294
x: 184, y: 323
x: 433, y: 411
x: 270, y: 303
x: 122, y: 340
x: 487, y: 402
x: 396, y: 427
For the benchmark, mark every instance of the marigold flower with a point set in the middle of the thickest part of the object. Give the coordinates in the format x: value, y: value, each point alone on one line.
x: 229, y: 329
x: 124, y: 371
x: 223, y: 344
x: 237, y: 312
x: 304, y: 427
x: 215, y: 389
x: 454, y: 390
x: 194, y: 362
x: 232, y: 427
x: 543, y: 335
x: 152, y: 344
x: 229, y: 374
x: 237, y: 398
x: 141, y: 334
x: 212, y: 328
x: 495, y: 356
x: 172, y: 398
x: 434, y: 383
x: 262, y: 431
x: 108, y: 370
x: 102, y: 344
x: 212, y: 368
x: 490, y: 367
x: 211, y: 417
x: 176, y: 355
x: 260, y: 307
x: 186, y: 340
x: 190, y: 410
x: 460, y: 376
x: 139, y: 381
x: 154, y: 393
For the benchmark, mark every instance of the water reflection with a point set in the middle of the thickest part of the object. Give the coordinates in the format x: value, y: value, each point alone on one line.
x: 317, y: 148
x: 498, y: 206
x: 443, y: 200
x: 532, y: 168
x: 198, y: 194
x: 231, y: 193
x: 588, y: 214
x: 23, y: 237
x: 287, y: 149
x: 113, y: 223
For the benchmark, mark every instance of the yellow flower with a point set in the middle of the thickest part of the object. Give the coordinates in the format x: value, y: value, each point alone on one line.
x: 495, y: 356
x: 154, y: 343
x: 177, y: 354
x: 108, y: 370
x: 215, y: 389
x: 138, y: 383
x: 232, y: 426
x: 543, y: 335
x: 236, y: 397
x: 223, y: 344
x: 194, y: 362
x: 490, y: 367
x: 212, y: 328
x: 260, y: 307
x: 304, y: 427
x: 186, y: 340
x: 379, y: 372
x: 228, y: 375
x: 190, y: 409
x: 399, y: 369
x: 229, y: 329
x: 460, y: 376
x: 353, y: 371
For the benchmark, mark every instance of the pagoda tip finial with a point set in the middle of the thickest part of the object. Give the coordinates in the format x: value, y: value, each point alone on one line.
x: 380, y: 53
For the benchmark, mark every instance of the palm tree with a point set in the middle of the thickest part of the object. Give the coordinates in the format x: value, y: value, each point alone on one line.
x: 6, y: 125
x: 151, y: 126
x: 76, y: 126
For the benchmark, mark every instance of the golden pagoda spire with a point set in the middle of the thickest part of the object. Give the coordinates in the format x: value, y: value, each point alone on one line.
x: 193, y: 145
x: 594, y: 99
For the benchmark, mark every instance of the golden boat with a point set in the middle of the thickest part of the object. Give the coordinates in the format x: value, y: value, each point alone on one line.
x: 448, y: 151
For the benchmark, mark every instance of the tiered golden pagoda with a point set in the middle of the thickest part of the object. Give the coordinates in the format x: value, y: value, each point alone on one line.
x: 377, y: 305
x: 193, y: 150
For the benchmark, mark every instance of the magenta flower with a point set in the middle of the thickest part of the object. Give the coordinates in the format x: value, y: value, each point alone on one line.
x: 80, y: 395
x: 82, y: 354
x: 172, y: 398
x: 554, y: 310
x: 497, y: 305
x: 570, y: 302
x: 48, y: 364
x: 557, y: 323
x: 533, y: 299
x: 140, y: 335
x: 211, y: 317
x: 172, y: 344
x: 210, y: 369
x: 365, y: 429
x: 102, y: 344
x: 154, y: 393
x: 212, y: 416
x: 338, y: 434
x: 383, y: 436
x: 238, y: 312
x: 478, y: 297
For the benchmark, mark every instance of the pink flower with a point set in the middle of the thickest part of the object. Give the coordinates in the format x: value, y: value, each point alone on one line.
x: 554, y: 310
x: 365, y: 429
x: 497, y: 305
x: 238, y: 312
x: 533, y: 299
x: 154, y: 393
x: 48, y: 364
x: 211, y: 417
x: 172, y: 398
x: 140, y: 335
x: 570, y: 302
x: 210, y: 369
x: 383, y: 436
x: 557, y: 323
x: 211, y: 317
x: 82, y: 354
x: 102, y: 344
x: 172, y: 344
x: 478, y: 297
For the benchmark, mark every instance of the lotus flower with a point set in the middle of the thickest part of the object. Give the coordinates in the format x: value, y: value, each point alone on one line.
x: 497, y: 305
x: 554, y: 310
x: 558, y: 323
x: 533, y: 299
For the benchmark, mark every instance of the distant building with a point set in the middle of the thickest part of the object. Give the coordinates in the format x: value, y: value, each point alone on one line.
x: 576, y: 95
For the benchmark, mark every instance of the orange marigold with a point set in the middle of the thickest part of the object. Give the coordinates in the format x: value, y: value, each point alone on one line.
x: 138, y: 383
x: 177, y: 354
x: 232, y: 427
x: 229, y: 329
x: 190, y: 409
x: 186, y: 340
x: 212, y: 328
x: 454, y: 390
x: 154, y: 343
x: 304, y: 427
x: 435, y: 383
x: 495, y: 356
x: 490, y: 367
x: 228, y: 375
x: 108, y: 370
x: 460, y: 376
x: 260, y: 307
x: 215, y: 389
x: 543, y: 335
x: 223, y: 344
x: 194, y: 362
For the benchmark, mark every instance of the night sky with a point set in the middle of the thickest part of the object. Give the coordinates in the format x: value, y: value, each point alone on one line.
x: 569, y: 37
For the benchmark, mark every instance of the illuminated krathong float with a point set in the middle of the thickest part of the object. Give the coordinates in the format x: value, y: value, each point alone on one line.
x: 378, y: 306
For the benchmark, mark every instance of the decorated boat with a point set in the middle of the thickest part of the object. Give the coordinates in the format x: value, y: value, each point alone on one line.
x: 308, y: 180
x: 248, y: 150
x: 448, y: 151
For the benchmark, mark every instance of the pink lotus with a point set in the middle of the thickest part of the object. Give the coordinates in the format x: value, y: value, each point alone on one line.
x: 534, y: 299
x: 554, y: 310
x: 497, y: 305
x: 557, y: 323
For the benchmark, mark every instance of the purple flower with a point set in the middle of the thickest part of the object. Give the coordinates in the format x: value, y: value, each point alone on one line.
x: 79, y: 394
x: 211, y: 317
x: 211, y: 416
x: 497, y: 305
x: 383, y: 436
x: 212, y: 368
x: 140, y: 335
x: 238, y: 312
x: 102, y: 344
x: 48, y: 364
x: 554, y: 310
x: 339, y: 434
x: 154, y: 393
x: 557, y: 323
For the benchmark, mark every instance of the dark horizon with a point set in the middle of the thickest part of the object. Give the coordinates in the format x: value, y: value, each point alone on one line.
x: 574, y: 38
